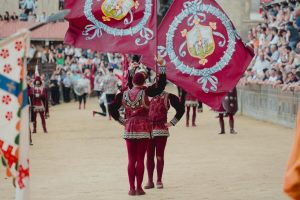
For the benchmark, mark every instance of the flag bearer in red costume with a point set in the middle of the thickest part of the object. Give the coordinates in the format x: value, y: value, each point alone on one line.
x: 229, y: 107
x: 39, y: 100
x: 158, y: 112
x: 137, y: 126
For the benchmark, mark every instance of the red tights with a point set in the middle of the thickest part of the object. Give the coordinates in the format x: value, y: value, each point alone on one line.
x: 136, y: 154
x: 193, y: 115
x: 158, y: 144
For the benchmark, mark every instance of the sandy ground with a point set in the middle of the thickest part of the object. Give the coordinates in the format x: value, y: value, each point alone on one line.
x: 84, y: 158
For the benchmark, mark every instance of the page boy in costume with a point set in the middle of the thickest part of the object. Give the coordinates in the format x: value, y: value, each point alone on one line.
x: 136, y: 122
x: 39, y: 100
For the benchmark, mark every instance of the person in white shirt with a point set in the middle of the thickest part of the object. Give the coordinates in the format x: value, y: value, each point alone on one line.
x: 275, y: 54
x: 275, y: 38
x: 273, y: 78
x: 29, y: 6
x: 82, y: 88
x: 110, y: 89
x: 261, y: 63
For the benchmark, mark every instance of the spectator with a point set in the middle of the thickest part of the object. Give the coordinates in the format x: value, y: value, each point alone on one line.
x: 275, y: 37
x: 29, y: 6
x: 23, y: 16
x: 67, y: 82
x: 273, y: 76
x: 293, y: 35
x: 43, y: 17
x: 98, y: 83
x: 261, y: 63
x: 61, y: 4
x: 273, y: 55
x: 6, y: 16
x: 31, y: 17
x: 14, y: 17
x: 1, y: 18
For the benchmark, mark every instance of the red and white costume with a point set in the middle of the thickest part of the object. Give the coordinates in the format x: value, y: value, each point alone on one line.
x: 159, y: 107
x: 137, y: 125
x: 39, y: 101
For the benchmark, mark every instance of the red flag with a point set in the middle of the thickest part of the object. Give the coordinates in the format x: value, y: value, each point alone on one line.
x: 125, y: 26
x: 204, y: 54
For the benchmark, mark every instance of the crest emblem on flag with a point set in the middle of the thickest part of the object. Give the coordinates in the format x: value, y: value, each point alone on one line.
x: 119, y: 10
x: 200, y: 38
x: 200, y: 41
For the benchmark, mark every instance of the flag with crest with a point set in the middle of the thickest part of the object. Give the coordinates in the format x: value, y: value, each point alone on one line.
x: 124, y: 26
x: 14, y: 123
x: 205, y: 55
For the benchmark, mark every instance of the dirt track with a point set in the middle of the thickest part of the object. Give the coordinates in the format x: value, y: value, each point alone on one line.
x: 84, y: 158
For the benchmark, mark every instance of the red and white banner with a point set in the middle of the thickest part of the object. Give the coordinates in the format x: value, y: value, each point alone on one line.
x: 205, y: 55
x: 14, y: 113
x: 124, y: 26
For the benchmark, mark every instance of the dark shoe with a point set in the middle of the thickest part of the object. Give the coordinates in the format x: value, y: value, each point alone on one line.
x: 194, y: 125
x: 222, y: 133
x: 140, y: 192
x: 232, y: 131
x: 149, y: 186
x: 159, y: 185
x: 131, y: 192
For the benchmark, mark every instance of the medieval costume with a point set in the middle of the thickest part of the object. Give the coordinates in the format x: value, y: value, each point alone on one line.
x: 191, y: 102
x: 39, y: 100
x: 229, y: 107
x: 158, y: 112
x: 30, y: 108
x: 137, y: 127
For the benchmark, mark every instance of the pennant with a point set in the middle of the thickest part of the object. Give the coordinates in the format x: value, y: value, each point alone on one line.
x: 124, y: 26
x: 14, y: 123
x: 205, y: 55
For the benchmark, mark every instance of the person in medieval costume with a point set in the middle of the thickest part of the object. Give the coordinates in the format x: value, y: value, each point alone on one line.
x: 39, y: 100
x: 29, y: 85
x: 228, y: 108
x: 191, y: 102
x: 137, y: 127
x: 158, y: 112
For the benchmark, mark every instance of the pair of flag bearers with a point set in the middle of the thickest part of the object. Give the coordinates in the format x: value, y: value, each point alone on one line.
x: 146, y: 126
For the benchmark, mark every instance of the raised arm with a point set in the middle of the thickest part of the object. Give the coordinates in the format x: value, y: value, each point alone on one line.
x: 114, y: 108
x: 130, y: 77
x: 178, y: 106
x: 158, y: 88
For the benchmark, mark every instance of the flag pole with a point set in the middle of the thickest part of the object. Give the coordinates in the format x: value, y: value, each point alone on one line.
x: 156, y: 43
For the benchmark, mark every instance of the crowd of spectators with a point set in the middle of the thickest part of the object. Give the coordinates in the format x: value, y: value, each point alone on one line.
x: 28, y: 12
x: 71, y: 64
x: 276, y: 42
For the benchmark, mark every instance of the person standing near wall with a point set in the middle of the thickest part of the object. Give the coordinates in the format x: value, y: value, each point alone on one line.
x: 229, y: 107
